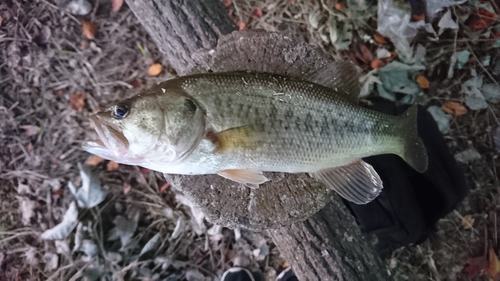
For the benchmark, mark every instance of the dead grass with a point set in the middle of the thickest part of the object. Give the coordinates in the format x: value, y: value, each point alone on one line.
x: 38, y: 76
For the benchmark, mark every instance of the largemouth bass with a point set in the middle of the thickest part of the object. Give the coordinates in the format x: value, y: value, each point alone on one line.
x: 240, y: 124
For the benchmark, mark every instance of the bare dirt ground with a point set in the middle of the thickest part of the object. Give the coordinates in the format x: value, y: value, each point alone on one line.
x: 52, y: 77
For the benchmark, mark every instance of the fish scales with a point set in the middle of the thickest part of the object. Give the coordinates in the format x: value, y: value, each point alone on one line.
x: 303, y: 126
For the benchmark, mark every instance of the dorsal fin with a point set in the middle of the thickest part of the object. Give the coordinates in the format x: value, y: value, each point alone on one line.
x: 277, y: 53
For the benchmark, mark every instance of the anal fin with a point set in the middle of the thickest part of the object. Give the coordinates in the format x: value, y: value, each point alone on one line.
x: 249, y: 177
x: 357, y: 182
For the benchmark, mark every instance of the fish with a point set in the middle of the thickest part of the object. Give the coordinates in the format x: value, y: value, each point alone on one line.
x: 241, y: 124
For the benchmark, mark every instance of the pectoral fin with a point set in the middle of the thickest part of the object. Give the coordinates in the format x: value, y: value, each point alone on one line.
x: 357, y: 182
x: 250, y: 177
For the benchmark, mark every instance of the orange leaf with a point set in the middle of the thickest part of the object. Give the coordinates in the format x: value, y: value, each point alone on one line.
x: 454, y: 108
x: 31, y: 130
x: 257, y: 12
x: 379, y: 38
x: 339, y: 6
x: 493, y: 269
x: 111, y: 166
x: 423, y: 82
x: 376, y: 63
x: 241, y: 25
x: 116, y: 5
x: 77, y: 101
x: 155, y: 69
x: 163, y: 188
x: 416, y: 17
x: 484, y: 19
x: 227, y: 3
x: 89, y: 29
x: 94, y: 160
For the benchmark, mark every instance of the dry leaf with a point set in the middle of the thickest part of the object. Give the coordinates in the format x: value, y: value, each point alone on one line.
x: 136, y: 83
x: 31, y: 130
x: 365, y: 55
x: 29, y: 147
x: 227, y: 3
x: 467, y: 221
x: 376, y: 63
x: 339, y: 6
x: 94, y: 160
x: 241, y: 25
x: 163, y: 188
x: 476, y: 266
x: 257, y: 12
x: 126, y: 188
x: 416, y: 17
x: 111, y: 166
x: 484, y: 19
x: 1, y: 19
x: 392, y: 57
x: 78, y: 101
x: 379, y: 38
x: 493, y: 269
x: 454, y: 108
x: 423, y: 82
x: 89, y: 29
x: 155, y: 69
x: 116, y: 5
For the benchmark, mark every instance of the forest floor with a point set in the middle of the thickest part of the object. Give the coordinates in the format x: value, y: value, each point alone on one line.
x: 57, y: 68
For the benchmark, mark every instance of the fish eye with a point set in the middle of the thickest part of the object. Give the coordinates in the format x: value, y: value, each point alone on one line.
x: 121, y: 111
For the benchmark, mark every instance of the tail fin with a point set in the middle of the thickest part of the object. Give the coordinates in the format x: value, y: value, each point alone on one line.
x: 414, y: 152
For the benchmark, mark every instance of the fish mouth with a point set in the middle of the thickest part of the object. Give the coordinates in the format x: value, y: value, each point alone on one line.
x: 111, y: 141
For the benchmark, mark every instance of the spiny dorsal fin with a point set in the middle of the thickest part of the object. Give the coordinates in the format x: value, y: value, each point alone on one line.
x: 277, y: 53
x: 357, y: 182
x: 249, y: 177
x: 342, y: 77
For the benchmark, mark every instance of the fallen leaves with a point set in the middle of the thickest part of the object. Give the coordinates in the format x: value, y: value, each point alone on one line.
x: 241, y: 25
x: 94, y: 160
x: 493, y: 269
x: 111, y: 166
x: 77, y: 101
x: 478, y: 266
x: 116, y: 5
x: 155, y: 69
x: 483, y: 19
x: 379, y: 38
x: 89, y: 29
x: 62, y: 230
x: 454, y: 108
x: 30, y: 130
x: 257, y: 12
x: 376, y: 63
x: 423, y: 82
x: 467, y: 222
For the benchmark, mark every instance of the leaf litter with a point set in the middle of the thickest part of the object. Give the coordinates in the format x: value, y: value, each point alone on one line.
x: 105, y: 71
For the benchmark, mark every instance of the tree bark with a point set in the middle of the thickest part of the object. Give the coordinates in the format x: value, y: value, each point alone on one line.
x: 326, y: 246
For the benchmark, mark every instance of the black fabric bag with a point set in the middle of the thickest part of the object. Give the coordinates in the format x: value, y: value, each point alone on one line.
x: 411, y: 202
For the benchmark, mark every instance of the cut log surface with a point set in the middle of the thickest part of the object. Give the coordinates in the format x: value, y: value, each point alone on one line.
x: 316, y: 234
